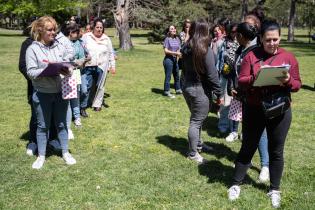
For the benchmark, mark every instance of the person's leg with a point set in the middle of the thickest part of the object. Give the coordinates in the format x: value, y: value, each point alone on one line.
x: 253, y: 126
x: 43, y: 106
x: 224, y: 122
x: 199, y: 112
x: 277, y: 130
x: 60, y: 112
x: 99, y: 95
x: 263, y: 149
x: 176, y: 77
x: 87, y: 81
x: 69, y: 120
x: 168, y: 67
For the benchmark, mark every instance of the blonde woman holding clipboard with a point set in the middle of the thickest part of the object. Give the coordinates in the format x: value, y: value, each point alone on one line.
x: 256, y: 117
x: 47, y: 98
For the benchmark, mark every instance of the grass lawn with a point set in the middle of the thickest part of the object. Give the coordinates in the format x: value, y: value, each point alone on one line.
x: 132, y: 155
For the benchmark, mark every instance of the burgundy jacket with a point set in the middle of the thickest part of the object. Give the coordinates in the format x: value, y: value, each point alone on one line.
x: 253, y: 60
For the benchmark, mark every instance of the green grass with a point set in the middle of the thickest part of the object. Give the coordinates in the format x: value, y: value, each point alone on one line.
x: 132, y: 154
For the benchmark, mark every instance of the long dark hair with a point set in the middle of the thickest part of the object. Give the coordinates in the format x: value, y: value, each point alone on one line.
x: 199, y: 42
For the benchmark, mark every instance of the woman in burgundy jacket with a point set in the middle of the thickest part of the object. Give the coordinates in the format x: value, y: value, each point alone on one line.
x: 254, y: 118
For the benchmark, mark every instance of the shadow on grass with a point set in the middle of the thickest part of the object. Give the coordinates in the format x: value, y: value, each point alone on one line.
x: 181, y: 145
x: 210, y: 125
x: 139, y: 35
x: 306, y: 87
x: 160, y: 91
x: 176, y: 144
x: 25, y: 136
x: 218, y: 172
x: 10, y: 35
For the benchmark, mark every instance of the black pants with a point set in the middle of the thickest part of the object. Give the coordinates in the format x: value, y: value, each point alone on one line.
x: 277, y: 128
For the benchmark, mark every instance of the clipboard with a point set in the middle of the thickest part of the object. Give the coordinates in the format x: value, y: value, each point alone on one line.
x: 269, y: 75
x: 53, y: 68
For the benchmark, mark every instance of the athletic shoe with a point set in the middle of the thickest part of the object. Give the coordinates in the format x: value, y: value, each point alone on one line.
x: 55, y: 144
x: 178, y: 92
x: 275, y: 198
x: 168, y: 94
x: 70, y: 134
x: 31, y: 149
x: 234, y: 192
x: 232, y: 137
x: 84, y: 113
x: 197, y: 158
x: 264, y: 174
x: 68, y: 159
x: 77, y: 122
x: 39, y: 162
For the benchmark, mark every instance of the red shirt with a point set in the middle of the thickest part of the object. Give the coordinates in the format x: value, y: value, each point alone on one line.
x: 254, y: 58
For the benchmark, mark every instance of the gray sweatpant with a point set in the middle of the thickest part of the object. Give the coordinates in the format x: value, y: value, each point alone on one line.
x: 198, y: 104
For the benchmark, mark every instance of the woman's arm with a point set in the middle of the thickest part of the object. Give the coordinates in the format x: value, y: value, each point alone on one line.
x: 294, y: 81
x: 32, y: 64
x: 212, y: 74
x: 245, y: 77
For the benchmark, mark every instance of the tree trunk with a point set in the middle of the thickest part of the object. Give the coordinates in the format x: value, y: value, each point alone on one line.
x: 291, y: 21
x: 121, y: 16
x: 244, y: 9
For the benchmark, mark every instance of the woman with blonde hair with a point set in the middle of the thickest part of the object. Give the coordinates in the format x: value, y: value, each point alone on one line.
x: 47, y: 97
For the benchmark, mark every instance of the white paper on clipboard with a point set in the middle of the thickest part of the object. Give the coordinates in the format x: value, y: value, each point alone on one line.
x: 269, y: 75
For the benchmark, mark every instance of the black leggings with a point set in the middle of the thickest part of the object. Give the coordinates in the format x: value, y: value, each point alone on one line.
x: 277, y: 128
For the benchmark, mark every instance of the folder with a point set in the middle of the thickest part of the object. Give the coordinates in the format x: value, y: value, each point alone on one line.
x: 269, y: 75
x: 53, y: 69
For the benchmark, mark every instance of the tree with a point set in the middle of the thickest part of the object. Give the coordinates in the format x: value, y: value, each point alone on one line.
x: 291, y: 20
x: 121, y: 15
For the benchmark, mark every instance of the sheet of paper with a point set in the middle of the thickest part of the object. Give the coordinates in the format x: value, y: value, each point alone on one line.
x: 53, y: 68
x: 269, y: 75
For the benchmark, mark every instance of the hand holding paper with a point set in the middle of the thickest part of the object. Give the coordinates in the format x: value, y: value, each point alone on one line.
x: 272, y: 75
x: 54, y: 69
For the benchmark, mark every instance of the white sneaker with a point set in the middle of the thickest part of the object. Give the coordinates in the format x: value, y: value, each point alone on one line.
x: 70, y: 134
x: 31, y: 149
x: 275, y: 198
x: 198, y: 158
x: 234, y: 192
x: 77, y: 122
x: 39, y: 162
x: 55, y: 144
x: 264, y: 174
x: 69, y: 159
x: 232, y: 137
x: 170, y: 95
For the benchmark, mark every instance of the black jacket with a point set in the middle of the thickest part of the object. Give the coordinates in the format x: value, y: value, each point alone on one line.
x: 210, y: 80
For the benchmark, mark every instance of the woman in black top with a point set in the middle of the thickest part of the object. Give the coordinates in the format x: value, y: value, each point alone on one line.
x: 201, y: 77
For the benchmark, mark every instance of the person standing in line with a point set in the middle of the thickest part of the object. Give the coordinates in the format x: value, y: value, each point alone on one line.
x: 47, y: 99
x: 100, y: 49
x: 171, y: 49
x: 255, y: 119
x: 224, y: 64
x: 217, y: 41
x: 184, y: 35
x: 201, y: 78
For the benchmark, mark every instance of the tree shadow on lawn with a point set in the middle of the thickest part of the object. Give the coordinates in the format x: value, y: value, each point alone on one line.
x: 218, y: 172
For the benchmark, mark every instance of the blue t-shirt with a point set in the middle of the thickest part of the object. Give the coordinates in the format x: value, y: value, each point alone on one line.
x: 172, y: 44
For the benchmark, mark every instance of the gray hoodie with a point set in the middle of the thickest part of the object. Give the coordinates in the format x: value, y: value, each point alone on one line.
x: 37, y: 56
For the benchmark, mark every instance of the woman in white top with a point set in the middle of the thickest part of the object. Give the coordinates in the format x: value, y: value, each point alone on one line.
x: 100, y: 49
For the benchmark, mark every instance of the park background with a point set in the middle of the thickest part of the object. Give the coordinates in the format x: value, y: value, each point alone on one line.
x: 132, y: 155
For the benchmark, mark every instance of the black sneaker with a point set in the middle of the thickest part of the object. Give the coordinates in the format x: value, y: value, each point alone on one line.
x: 84, y: 113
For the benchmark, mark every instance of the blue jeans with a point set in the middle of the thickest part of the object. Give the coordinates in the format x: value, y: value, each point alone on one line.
x: 89, y: 75
x: 48, y: 106
x: 263, y: 149
x: 171, y: 67
x: 224, y: 124
x: 234, y: 125
x: 75, y: 104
